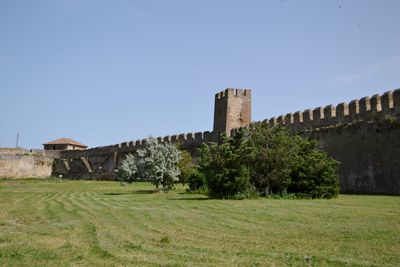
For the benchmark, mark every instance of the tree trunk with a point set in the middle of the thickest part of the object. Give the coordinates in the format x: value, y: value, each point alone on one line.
x: 267, y: 192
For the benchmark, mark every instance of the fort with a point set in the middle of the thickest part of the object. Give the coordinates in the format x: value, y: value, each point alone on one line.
x: 364, y: 135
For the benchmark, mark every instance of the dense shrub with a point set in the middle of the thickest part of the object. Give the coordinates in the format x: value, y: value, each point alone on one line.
x: 270, y: 159
x: 281, y: 162
x: 313, y: 173
x: 225, y: 173
x: 155, y: 162
x: 197, y: 181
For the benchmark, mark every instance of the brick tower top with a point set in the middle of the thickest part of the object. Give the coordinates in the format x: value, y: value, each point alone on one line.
x: 232, y: 110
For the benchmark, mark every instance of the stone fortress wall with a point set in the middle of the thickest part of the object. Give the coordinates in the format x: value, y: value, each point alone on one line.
x: 232, y: 109
x: 18, y: 163
x: 365, y: 109
x: 364, y: 135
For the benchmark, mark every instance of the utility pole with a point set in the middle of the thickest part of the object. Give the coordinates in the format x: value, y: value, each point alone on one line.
x: 17, y: 138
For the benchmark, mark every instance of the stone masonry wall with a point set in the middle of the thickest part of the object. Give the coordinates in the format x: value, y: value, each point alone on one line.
x: 363, y: 135
x: 359, y: 134
x: 20, y: 163
x: 369, y: 153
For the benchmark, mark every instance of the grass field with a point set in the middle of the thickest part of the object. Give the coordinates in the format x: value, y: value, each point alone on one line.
x: 83, y: 223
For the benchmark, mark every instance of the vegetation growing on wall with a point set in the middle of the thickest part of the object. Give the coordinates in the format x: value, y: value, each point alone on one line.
x: 391, y: 121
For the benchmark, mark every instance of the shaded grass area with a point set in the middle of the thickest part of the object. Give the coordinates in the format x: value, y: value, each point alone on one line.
x: 87, y: 223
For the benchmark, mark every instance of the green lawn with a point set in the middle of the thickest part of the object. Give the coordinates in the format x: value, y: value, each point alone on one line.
x: 83, y: 223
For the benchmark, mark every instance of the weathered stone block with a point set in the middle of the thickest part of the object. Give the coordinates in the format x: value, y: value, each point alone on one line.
x: 376, y: 105
x: 365, y: 105
x: 280, y: 119
x: 396, y: 100
x: 387, y: 102
x: 273, y: 121
x: 342, y: 112
x: 329, y: 112
x: 289, y: 119
x: 354, y: 110
x: 308, y: 116
x: 318, y: 115
x: 298, y: 117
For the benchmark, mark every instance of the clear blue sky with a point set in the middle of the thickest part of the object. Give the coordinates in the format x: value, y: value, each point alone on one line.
x: 104, y: 72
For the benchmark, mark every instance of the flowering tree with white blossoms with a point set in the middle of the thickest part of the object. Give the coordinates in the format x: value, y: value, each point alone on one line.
x: 155, y: 162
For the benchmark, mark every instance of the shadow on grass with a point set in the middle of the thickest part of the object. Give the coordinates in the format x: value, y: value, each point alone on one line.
x: 134, y: 192
x: 190, y: 198
x: 368, y: 194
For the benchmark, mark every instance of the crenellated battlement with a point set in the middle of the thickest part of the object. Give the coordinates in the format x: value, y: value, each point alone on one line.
x: 367, y: 108
x: 186, y: 140
x: 363, y: 109
x: 233, y: 92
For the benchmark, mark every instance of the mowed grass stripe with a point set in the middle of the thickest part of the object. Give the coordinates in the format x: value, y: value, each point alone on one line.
x: 149, y: 230
x: 102, y: 223
x: 150, y: 218
x: 137, y: 229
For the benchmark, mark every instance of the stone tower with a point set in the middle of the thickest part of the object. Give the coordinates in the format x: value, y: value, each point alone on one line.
x: 232, y: 110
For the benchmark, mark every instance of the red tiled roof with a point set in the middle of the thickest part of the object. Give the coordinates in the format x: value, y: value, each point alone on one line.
x: 65, y: 141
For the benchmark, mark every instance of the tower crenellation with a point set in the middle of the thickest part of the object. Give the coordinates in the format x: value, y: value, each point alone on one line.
x: 232, y: 110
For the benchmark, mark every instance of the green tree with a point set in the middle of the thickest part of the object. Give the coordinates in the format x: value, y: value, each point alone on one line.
x: 313, y: 172
x: 155, y: 162
x: 225, y: 173
x: 281, y: 162
x: 270, y: 159
x: 186, y: 166
x: 271, y: 152
x: 197, y: 181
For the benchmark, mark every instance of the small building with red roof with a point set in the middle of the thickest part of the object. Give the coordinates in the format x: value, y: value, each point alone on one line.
x: 64, y: 144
